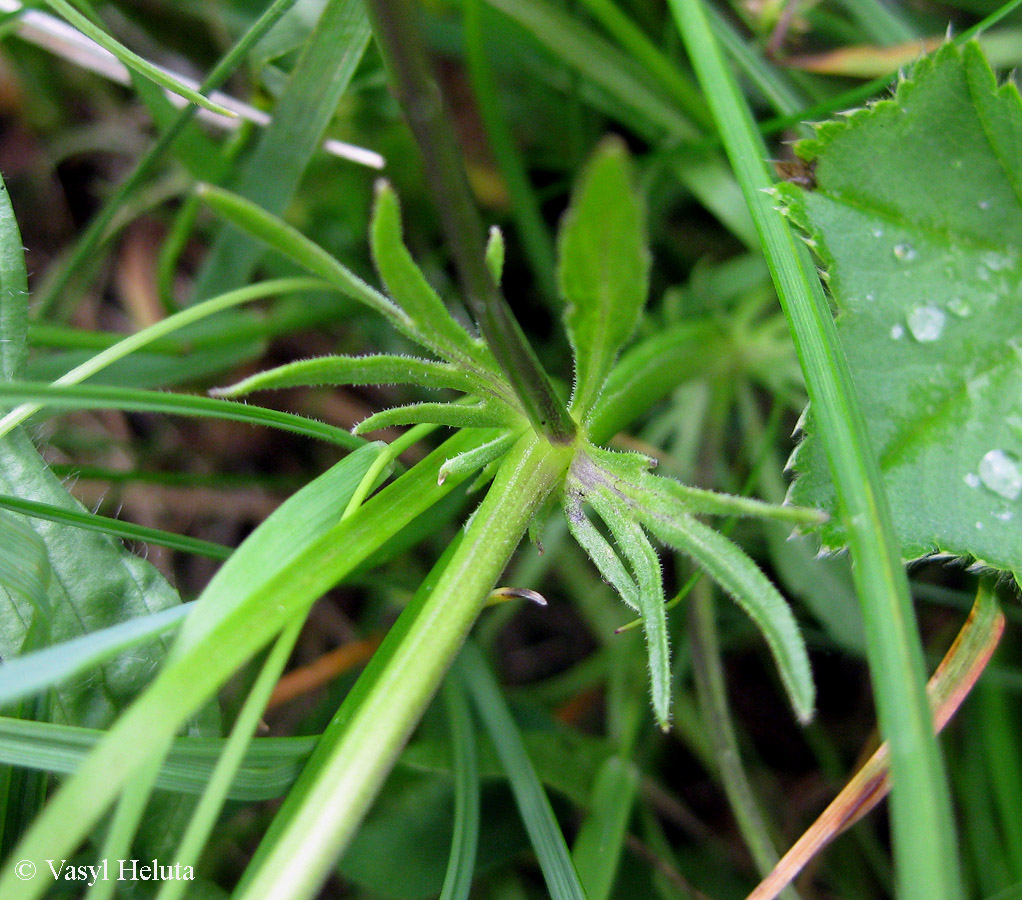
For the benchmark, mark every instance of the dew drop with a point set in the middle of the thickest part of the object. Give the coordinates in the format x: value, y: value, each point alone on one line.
x: 926, y: 323
x: 983, y: 204
x: 870, y: 297
x: 997, y: 262
x: 1001, y: 473
x: 878, y: 232
x: 1005, y: 515
x: 959, y: 307
x: 972, y: 480
x: 905, y: 252
x: 897, y: 332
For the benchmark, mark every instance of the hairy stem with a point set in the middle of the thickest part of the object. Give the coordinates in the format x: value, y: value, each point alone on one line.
x: 362, y: 742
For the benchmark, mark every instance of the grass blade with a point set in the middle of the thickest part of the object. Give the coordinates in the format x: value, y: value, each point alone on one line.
x: 923, y: 832
x: 79, y: 396
x: 544, y: 832
x: 464, y: 841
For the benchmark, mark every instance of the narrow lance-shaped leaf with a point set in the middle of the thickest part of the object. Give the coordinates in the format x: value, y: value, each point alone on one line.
x: 646, y: 566
x: 381, y: 369
x: 603, y: 268
x: 290, y: 242
x: 465, y: 463
x: 741, y: 578
x: 438, y: 329
x: 599, y: 550
x: 495, y: 253
x: 455, y: 415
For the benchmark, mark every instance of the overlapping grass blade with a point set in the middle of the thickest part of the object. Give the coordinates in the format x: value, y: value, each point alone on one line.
x: 544, y: 833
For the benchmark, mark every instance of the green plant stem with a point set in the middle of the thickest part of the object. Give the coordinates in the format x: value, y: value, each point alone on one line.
x: 923, y: 832
x: 712, y: 693
x: 350, y: 770
x: 404, y: 54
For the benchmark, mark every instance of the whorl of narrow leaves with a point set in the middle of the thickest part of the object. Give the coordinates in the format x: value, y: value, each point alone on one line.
x: 917, y: 218
x: 628, y: 498
x: 603, y: 269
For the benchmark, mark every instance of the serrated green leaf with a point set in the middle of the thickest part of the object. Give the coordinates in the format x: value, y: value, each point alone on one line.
x: 338, y: 370
x: 917, y: 217
x: 455, y: 415
x: 437, y: 328
x: 603, y: 268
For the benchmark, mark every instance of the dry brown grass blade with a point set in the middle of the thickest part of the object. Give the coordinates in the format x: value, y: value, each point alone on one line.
x: 961, y: 667
x: 322, y: 670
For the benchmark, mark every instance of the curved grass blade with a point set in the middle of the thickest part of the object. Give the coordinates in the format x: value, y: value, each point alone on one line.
x: 544, y: 833
x: 231, y: 759
x: 465, y: 839
x: 923, y: 829
x: 115, y: 527
x: 950, y: 684
x: 132, y: 60
x: 160, y: 330
x: 26, y: 675
x: 332, y: 370
x: 271, y: 764
x: 79, y: 396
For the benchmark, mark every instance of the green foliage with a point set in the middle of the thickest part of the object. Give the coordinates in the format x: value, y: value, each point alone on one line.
x: 926, y: 281
x: 603, y: 269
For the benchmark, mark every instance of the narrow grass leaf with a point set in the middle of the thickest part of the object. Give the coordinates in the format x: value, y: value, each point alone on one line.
x: 335, y: 370
x: 603, y: 268
x: 26, y: 675
x: 229, y: 629
x: 465, y: 839
x: 545, y: 834
x: 13, y: 292
x: 596, y: 852
x: 923, y: 831
x: 207, y: 811
x: 132, y: 60
x: 114, y: 527
x: 437, y: 328
x: 495, y: 253
x: 79, y: 396
x: 320, y: 77
x: 162, y: 329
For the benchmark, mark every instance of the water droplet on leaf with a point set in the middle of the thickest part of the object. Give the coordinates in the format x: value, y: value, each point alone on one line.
x: 1001, y: 473
x: 905, y: 252
x: 926, y: 323
x: 959, y: 307
x: 972, y: 480
x: 897, y: 332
